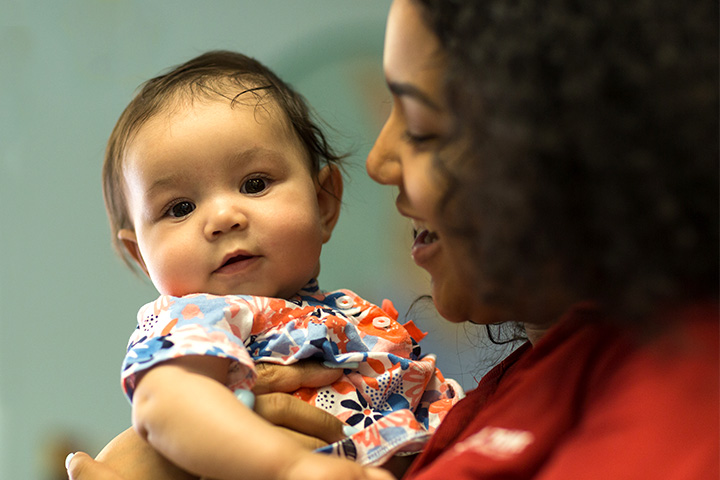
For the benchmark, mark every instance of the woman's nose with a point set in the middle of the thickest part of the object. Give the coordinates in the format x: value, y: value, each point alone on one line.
x: 225, y: 215
x: 383, y: 163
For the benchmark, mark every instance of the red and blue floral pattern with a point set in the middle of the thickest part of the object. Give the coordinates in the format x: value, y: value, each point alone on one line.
x: 394, y: 394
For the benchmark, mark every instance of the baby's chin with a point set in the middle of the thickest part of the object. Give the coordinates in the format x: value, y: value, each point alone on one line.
x: 288, y: 289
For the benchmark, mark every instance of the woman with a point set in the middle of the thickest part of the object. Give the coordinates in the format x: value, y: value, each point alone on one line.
x: 559, y: 162
x: 573, y: 187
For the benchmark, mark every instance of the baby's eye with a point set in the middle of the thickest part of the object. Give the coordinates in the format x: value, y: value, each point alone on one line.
x: 254, y: 186
x: 181, y: 209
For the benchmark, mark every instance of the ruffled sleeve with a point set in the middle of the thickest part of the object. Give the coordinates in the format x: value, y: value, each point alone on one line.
x: 201, y: 324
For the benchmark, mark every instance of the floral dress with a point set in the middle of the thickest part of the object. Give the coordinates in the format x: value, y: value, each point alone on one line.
x: 392, y: 394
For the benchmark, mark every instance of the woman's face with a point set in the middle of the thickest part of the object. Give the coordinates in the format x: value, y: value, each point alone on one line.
x: 403, y: 154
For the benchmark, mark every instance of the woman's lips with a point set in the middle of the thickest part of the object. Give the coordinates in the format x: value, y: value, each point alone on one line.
x: 424, y: 246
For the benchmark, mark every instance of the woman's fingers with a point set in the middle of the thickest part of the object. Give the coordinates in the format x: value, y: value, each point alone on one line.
x: 378, y: 474
x: 131, y: 457
x: 308, y: 442
x: 398, y: 465
x: 294, y: 414
x: 288, y: 378
x: 309, y: 425
x: 81, y: 466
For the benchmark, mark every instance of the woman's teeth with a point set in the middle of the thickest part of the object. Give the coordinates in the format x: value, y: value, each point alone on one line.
x: 431, y: 237
x: 425, y: 237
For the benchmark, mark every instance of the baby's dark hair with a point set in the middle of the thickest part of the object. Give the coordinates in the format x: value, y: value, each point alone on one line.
x: 212, y: 75
x: 591, y: 134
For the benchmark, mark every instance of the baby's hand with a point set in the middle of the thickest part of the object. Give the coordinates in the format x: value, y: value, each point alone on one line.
x: 317, y: 466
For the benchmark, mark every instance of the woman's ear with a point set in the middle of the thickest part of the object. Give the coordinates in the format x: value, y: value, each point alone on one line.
x: 129, y: 240
x: 329, y: 195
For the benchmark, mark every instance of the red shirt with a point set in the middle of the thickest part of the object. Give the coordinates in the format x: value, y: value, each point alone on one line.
x: 587, y: 402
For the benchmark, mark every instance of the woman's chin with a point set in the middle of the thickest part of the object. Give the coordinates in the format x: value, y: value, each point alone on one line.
x: 451, y: 303
x: 458, y: 305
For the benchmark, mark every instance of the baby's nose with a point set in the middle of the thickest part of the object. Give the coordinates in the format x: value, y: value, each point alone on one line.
x: 226, y: 216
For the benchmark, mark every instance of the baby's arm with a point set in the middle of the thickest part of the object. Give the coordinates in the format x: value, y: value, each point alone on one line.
x: 184, y: 410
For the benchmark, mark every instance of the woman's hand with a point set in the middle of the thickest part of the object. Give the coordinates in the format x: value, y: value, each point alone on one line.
x: 82, y: 467
x: 309, y: 425
x: 126, y: 457
x: 129, y: 457
x: 288, y: 378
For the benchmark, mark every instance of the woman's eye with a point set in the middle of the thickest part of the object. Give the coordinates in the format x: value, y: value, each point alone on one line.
x: 418, y: 140
x: 254, y: 186
x: 181, y: 209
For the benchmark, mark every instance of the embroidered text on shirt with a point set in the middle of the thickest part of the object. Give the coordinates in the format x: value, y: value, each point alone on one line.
x: 495, y: 442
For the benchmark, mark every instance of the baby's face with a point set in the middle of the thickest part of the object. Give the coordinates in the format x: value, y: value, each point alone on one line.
x: 222, y: 201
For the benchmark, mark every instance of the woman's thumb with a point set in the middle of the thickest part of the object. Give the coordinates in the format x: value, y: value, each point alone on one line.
x: 81, y: 466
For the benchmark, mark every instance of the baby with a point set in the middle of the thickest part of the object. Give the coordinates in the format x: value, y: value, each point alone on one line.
x: 221, y: 188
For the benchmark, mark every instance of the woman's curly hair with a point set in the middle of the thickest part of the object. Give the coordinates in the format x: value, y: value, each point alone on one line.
x: 590, y: 134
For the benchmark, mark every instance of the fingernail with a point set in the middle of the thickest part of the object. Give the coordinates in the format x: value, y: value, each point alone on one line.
x: 350, y: 430
x: 67, y: 460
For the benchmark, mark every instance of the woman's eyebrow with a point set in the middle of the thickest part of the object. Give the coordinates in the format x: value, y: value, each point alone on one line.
x: 410, y: 90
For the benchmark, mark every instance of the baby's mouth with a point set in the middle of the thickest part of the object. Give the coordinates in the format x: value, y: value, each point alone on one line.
x: 234, y: 259
x: 238, y: 258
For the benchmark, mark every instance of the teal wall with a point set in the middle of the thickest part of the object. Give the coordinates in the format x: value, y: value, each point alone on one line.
x: 67, y: 303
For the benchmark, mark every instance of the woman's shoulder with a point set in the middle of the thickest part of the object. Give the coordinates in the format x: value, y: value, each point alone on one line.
x: 588, y: 393
x: 651, y: 403
x: 676, y: 370
x: 657, y: 411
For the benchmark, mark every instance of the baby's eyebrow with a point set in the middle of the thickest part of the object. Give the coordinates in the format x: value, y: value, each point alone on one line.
x: 162, y: 184
x: 250, y: 158
x: 258, y: 157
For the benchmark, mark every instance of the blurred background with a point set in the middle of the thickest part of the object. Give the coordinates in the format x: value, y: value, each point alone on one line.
x: 67, y: 303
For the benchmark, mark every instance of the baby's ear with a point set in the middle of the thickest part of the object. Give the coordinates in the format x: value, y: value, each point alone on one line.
x: 329, y: 196
x: 129, y: 240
